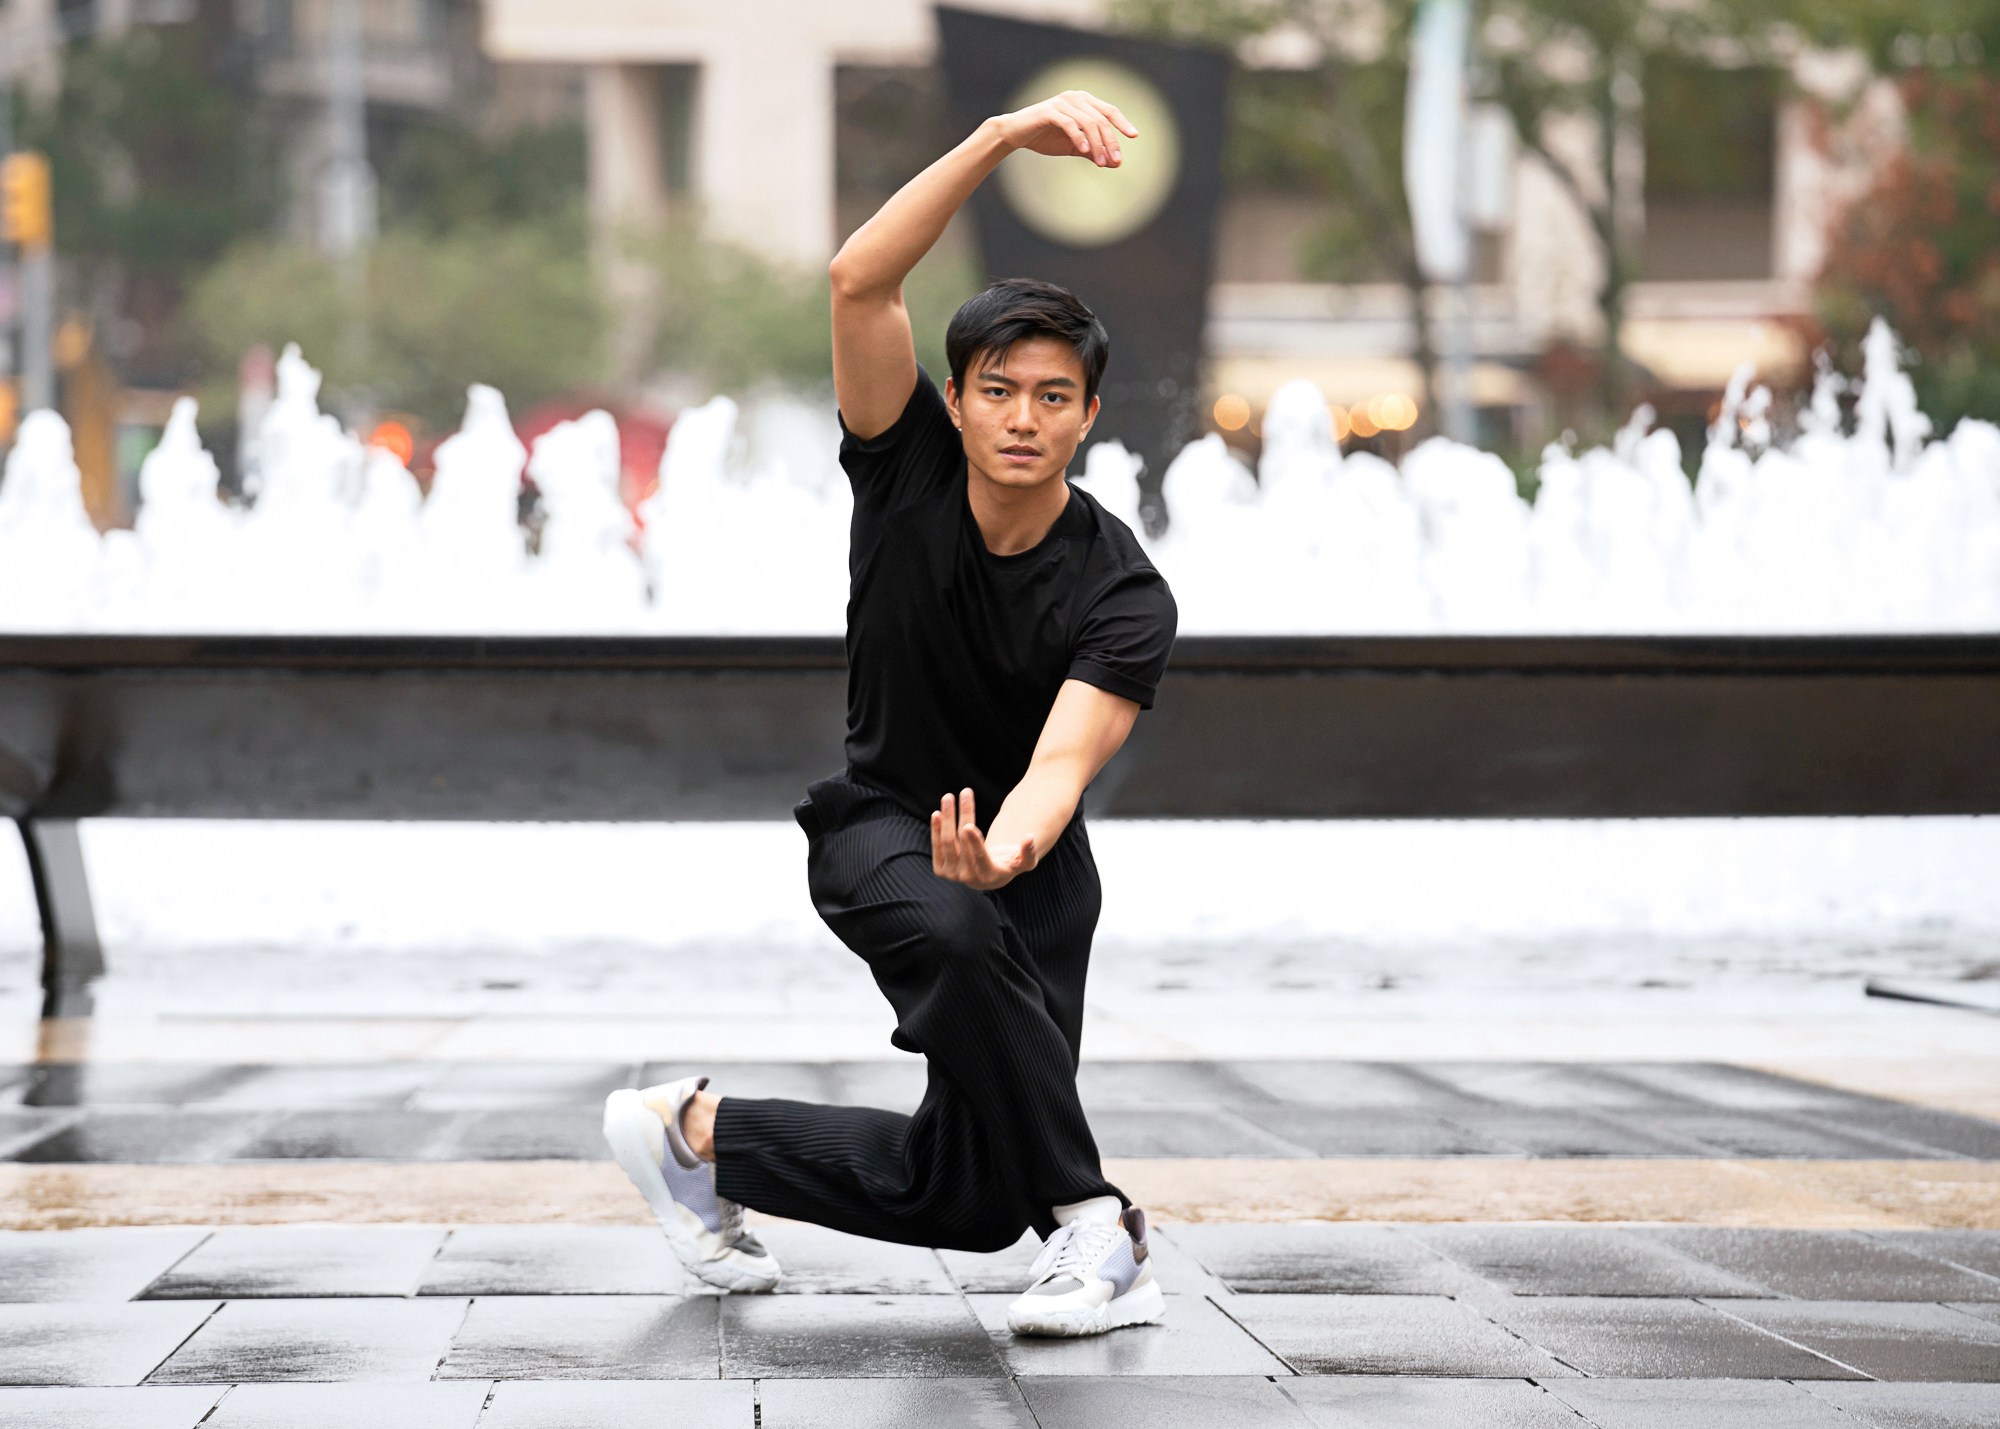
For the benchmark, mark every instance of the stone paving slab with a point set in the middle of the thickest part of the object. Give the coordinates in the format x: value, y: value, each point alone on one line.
x: 848, y: 1336
x: 86, y: 1265
x: 612, y: 1404
x: 1375, y: 1131
x: 146, y: 1136
x: 1827, y: 1265
x: 1388, y: 1335
x: 1709, y: 1404
x: 818, y: 1261
x: 554, y: 1260
x: 1376, y: 1402
x: 350, y: 1406
x: 147, y: 1407
x: 94, y: 1344
x: 333, y: 1340
x: 301, y: 1260
x: 1970, y: 1250
x: 1320, y: 1259
x: 1579, y: 1260
x: 1914, y: 1406
x: 1195, y: 1339
x: 587, y: 1337
x: 1661, y: 1339
x: 1165, y: 1402
x: 892, y: 1404
x: 1898, y: 1341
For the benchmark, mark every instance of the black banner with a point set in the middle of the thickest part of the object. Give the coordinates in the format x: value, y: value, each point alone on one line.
x: 1143, y: 261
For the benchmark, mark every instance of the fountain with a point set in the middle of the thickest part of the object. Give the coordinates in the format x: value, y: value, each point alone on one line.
x: 1875, y: 530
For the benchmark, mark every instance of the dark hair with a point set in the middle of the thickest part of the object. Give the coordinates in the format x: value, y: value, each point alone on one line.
x: 1015, y: 308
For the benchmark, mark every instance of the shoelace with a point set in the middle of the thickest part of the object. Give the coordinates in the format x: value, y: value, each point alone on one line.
x: 732, y: 1219
x: 1073, y: 1248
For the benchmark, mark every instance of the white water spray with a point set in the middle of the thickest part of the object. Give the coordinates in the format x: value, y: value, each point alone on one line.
x: 1880, y: 530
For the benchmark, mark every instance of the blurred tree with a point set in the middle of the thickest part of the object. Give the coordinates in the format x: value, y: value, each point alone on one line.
x: 444, y: 175
x: 733, y: 319
x: 1338, y: 125
x: 518, y: 307
x: 157, y: 169
x: 1921, y: 247
x: 1333, y: 127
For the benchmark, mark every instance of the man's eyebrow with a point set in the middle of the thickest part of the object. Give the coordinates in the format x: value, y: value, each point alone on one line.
x: 991, y: 375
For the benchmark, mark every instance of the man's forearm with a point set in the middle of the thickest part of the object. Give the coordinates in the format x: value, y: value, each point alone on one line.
x: 880, y: 254
x: 1040, y: 806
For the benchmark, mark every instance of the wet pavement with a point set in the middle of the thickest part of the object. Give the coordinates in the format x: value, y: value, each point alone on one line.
x: 140, y: 1113
x: 1328, y: 1325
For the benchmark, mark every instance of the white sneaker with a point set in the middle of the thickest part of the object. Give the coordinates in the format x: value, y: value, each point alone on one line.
x: 705, y: 1230
x: 1091, y: 1276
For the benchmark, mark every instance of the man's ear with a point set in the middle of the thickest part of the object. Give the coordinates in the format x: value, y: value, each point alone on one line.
x: 1089, y: 418
x: 951, y: 403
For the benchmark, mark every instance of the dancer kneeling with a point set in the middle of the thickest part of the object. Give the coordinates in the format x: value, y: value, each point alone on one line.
x: 1004, y: 631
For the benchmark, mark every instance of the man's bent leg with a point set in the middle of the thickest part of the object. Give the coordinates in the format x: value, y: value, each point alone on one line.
x: 1000, y: 1138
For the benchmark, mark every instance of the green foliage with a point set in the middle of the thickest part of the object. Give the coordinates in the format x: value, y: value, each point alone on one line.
x: 737, y: 319
x: 515, y: 307
x: 443, y: 176
x: 155, y: 165
x: 1334, y: 130
x: 1922, y: 246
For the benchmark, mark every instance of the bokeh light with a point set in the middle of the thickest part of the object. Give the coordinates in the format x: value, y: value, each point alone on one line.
x: 394, y: 438
x: 1397, y: 412
x: 1361, y: 422
x: 1232, y: 413
x: 1342, y: 427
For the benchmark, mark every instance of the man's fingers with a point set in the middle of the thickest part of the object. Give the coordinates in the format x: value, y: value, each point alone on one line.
x: 1024, y: 857
x: 966, y: 820
x: 1070, y: 127
x: 1115, y: 115
x: 1084, y: 114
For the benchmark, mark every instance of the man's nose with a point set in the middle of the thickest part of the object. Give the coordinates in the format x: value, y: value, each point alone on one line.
x: 1021, y: 416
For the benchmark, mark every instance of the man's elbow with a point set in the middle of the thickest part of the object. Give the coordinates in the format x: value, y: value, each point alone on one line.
x: 849, y: 285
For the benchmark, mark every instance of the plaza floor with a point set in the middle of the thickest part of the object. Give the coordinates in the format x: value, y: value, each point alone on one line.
x: 277, y: 1187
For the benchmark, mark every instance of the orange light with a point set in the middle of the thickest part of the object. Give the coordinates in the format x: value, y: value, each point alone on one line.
x: 1342, y: 427
x: 1232, y: 413
x: 1362, y: 421
x: 395, y: 439
x: 1398, y: 412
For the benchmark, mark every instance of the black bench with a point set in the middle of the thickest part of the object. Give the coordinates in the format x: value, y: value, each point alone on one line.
x: 733, y: 728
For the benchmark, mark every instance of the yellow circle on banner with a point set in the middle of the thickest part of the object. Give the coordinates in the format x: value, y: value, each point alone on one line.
x: 1071, y: 200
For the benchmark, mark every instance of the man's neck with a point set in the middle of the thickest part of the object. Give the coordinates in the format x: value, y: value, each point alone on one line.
x: 1013, y: 519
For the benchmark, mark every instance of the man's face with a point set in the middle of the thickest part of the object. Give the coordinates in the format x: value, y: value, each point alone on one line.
x: 1022, y: 412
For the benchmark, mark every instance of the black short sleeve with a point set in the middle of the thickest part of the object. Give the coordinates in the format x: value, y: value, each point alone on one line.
x: 1126, y: 637
x: 918, y: 449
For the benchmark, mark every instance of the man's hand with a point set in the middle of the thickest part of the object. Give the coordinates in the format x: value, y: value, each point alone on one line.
x: 1075, y: 122
x: 960, y: 852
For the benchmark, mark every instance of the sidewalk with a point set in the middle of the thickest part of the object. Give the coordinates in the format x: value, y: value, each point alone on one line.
x: 1267, y: 1325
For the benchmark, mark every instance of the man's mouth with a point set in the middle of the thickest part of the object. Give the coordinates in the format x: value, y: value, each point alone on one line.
x: 1020, y: 453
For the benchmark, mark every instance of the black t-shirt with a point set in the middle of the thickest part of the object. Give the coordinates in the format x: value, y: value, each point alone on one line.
x: 954, y: 654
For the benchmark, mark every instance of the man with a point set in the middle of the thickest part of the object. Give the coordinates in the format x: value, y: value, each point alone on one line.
x: 1003, y: 632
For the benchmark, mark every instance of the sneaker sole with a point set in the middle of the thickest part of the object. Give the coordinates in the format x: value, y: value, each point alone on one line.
x: 1144, y: 1305
x: 622, y: 1110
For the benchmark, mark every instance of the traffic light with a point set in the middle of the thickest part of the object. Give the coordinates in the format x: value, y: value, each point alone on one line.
x: 24, y: 200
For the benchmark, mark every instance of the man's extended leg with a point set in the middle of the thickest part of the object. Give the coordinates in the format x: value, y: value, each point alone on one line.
x: 1000, y: 1138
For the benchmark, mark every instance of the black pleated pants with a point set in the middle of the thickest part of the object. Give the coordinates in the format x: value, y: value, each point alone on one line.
x: 989, y: 987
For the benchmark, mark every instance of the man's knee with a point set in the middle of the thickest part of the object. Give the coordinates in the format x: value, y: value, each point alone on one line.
x: 963, y: 931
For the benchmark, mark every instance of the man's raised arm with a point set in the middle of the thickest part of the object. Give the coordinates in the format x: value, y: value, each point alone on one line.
x: 874, y: 363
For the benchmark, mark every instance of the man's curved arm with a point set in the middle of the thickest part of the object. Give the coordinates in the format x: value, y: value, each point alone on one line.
x: 1085, y: 728
x: 874, y: 363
